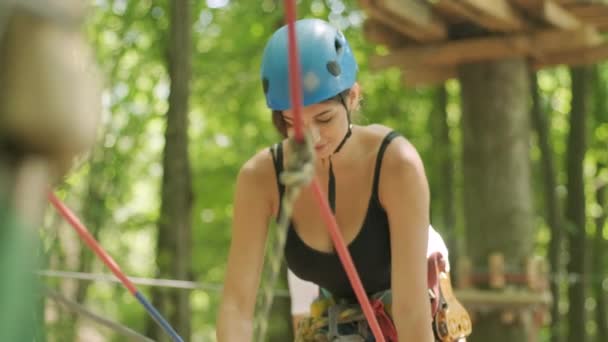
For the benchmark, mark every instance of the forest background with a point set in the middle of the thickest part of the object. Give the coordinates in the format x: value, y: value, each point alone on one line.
x: 184, y: 108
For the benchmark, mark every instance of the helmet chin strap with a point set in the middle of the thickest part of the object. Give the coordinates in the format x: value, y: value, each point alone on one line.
x: 331, y: 186
x: 350, y: 126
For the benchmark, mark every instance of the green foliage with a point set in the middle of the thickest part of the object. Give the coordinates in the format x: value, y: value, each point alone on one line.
x: 228, y: 124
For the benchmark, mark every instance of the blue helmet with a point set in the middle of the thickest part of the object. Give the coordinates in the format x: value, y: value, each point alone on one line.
x: 327, y: 64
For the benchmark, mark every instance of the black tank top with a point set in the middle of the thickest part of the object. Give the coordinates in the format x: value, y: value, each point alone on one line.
x: 370, y: 249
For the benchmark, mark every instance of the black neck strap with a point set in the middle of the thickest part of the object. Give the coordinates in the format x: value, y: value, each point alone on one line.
x: 331, y: 186
x: 350, y: 126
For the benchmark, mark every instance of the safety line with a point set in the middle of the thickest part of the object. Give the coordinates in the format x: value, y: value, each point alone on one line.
x: 152, y: 282
x: 294, y: 70
x: 111, y: 264
x: 82, y: 310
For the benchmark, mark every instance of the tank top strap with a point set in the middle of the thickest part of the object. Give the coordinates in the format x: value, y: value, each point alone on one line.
x: 277, y: 160
x: 385, y: 142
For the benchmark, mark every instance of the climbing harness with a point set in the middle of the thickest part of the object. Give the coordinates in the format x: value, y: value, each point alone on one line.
x: 451, y: 322
x: 343, y: 321
x: 338, y: 320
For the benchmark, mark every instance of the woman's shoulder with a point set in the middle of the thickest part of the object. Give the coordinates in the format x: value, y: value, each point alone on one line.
x: 257, y: 182
x: 402, y: 167
x: 399, y: 153
x: 376, y: 131
x: 259, y: 168
x: 374, y: 135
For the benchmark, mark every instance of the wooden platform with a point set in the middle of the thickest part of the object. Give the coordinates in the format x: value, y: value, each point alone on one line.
x: 428, y: 39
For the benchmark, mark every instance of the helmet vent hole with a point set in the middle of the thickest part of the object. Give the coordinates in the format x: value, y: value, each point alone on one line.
x: 338, y: 45
x: 265, y: 85
x: 334, y: 68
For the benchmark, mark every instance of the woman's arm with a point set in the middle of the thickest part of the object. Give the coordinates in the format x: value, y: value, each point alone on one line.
x: 405, y: 196
x: 252, y: 211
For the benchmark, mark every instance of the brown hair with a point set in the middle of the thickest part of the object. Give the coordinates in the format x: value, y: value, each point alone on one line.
x: 279, y: 122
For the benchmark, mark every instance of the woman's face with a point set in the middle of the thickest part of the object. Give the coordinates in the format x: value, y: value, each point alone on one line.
x: 328, y: 123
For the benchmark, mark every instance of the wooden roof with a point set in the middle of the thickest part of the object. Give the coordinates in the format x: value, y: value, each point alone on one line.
x: 428, y: 39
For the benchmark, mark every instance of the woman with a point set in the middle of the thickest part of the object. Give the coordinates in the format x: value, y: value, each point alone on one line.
x: 376, y: 186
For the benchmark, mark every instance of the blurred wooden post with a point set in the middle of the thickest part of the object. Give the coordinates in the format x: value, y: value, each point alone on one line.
x: 50, y: 106
x: 464, y: 272
x: 537, y: 274
x: 496, y: 263
x: 31, y: 182
x: 517, y: 297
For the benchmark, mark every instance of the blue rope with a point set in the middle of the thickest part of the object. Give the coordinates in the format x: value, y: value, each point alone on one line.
x: 158, y: 317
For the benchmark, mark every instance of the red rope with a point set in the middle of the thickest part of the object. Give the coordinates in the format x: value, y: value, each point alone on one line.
x: 385, y: 321
x: 107, y: 259
x: 347, y: 262
x: 330, y: 221
x: 294, y: 70
x: 91, y: 242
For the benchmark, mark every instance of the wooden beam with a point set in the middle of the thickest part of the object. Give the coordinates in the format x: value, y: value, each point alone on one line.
x: 409, y: 17
x: 589, y: 13
x: 585, y: 11
x: 416, y: 12
x: 568, y: 2
x: 432, y: 75
x: 453, y: 11
x: 496, y: 15
x: 551, y: 41
x: 574, y: 4
x: 428, y: 76
x: 502, y: 299
x: 557, y: 16
x: 366, y: 5
x: 455, y: 52
x: 589, y: 10
x: 601, y: 24
x: 483, y: 49
x: 529, y: 5
x: 377, y: 32
x: 463, y: 11
x: 573, y: 57
x: 549, y: 12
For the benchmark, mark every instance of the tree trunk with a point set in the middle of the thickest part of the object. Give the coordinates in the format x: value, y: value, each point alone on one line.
x: 496, y: 171
x: 600, y: 110
x: 599, y: 255
x: 575, y: 204
x: 552, y: 207
x: 444, y: 164
x: 174, y: 249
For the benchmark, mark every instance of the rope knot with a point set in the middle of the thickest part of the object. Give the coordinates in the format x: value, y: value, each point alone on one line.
x: 299, y: 172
